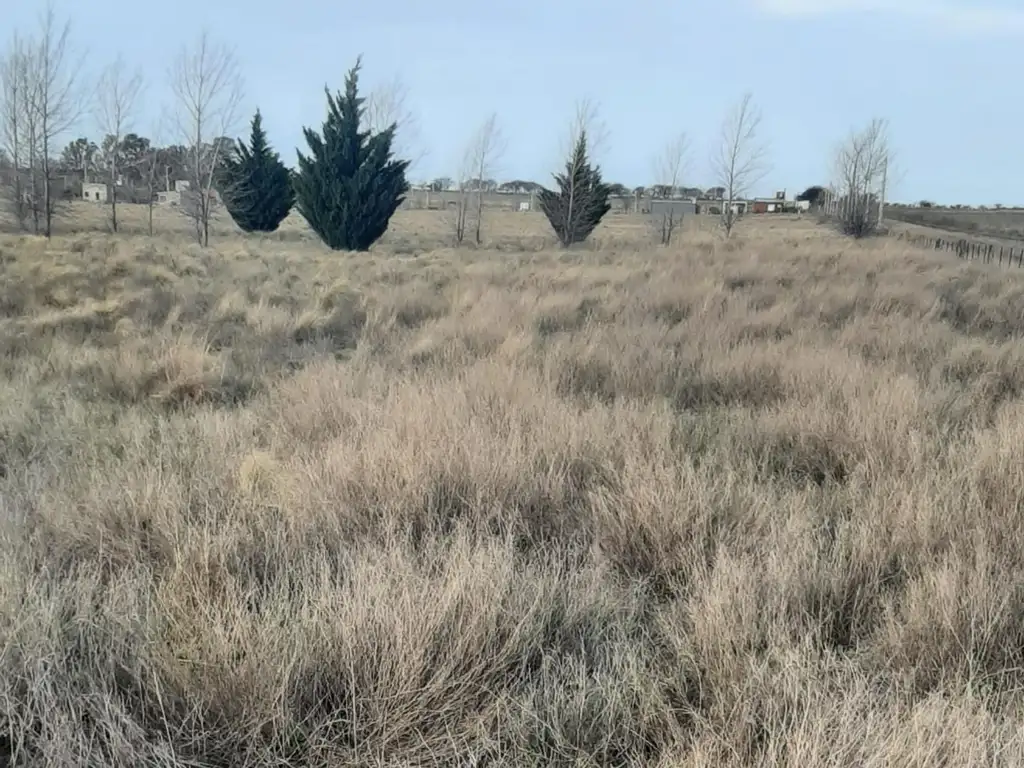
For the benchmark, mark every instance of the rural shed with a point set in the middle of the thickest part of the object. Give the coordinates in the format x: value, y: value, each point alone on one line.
x: 675, y: 208
x: 98, y: 193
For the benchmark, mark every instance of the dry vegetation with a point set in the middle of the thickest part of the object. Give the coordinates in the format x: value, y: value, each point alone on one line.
x: 1002, y: 224
x: 754, y: 502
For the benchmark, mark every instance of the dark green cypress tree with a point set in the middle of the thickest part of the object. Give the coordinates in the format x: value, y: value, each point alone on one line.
x: 350, y: 185
x: 582, y: 198
x: 254, y: 184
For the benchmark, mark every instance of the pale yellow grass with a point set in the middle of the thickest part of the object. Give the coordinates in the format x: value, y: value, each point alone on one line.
x: 731, y: 503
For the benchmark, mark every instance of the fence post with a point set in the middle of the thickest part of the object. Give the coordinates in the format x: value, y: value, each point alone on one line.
x: 1000, y: 254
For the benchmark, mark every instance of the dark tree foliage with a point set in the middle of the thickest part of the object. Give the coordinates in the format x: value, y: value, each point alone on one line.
x: 255, y: 185
x: 581, y: 201
x: 350, y: 185
x: 814, y: 195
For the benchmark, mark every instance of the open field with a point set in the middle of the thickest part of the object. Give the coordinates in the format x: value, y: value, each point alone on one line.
x: 1003, y: 224
x: 740, y: 503
x: 414, y: 231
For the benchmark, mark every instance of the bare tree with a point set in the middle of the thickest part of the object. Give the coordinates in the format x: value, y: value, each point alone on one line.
x: 861, y: 173
x: 485, y: 152
x: 208, y: 91
x: 587, y: 120
x: 151, y: 168
x: 458, y: 214
x: 669, y: 166
x: 58, y: 100
x: 388, y: 104
x: 32, y: 191
x: 14, y: 108
x: 479, y: 164
x: 740, y: 159
x: 117, y: 98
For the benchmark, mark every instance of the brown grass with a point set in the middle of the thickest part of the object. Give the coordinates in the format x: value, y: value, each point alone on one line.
x: 999, y: 225
x: 738, y: 503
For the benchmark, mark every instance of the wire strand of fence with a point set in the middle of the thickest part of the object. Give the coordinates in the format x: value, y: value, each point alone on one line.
x: 969, y: 250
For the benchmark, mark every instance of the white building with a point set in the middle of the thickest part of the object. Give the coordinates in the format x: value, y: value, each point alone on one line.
x: 95, y: 192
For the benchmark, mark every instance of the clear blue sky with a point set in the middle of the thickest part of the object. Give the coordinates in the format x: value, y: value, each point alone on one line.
x: 943, y: 72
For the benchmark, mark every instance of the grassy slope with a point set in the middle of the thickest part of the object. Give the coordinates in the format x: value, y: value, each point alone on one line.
x: 747, y: 503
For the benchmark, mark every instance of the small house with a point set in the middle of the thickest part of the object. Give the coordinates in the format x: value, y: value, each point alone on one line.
x: 95, y: 192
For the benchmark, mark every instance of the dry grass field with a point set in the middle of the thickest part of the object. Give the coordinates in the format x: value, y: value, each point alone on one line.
x: 1002, y: 224
x: 755, y: 502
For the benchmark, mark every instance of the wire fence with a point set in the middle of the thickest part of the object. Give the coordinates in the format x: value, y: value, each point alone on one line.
x: 969, y: 250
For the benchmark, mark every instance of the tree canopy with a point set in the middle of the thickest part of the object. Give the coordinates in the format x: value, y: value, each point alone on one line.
x: 349, y: 185
x: 582, y: 198
x: 253, y: 182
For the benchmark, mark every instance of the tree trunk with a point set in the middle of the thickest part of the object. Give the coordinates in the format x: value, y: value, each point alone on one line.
x: 47, y: 203
x: 19, y: 196
x: 479, y: 215
x: 113, y: 195
x: 30, y: 193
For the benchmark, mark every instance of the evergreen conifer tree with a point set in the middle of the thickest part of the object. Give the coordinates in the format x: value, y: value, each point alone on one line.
x: 255, y: 185
x: 349, y: 185
x: 582, y: 200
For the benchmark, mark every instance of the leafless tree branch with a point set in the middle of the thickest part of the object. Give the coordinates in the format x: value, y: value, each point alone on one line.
x: 117, y: 98
x: 55, y: 100
x: 388, y: 104
x: 150, y: 166
x: 14, y: 109
x: 673, y: 162
x: 740, y: 159
x: 457, y: 216
x: 586, y: 119
x: 861, y: 169
x: 669, y: 167
x: 479, y: 164
x: 485, y: 152
x: 208, y: 91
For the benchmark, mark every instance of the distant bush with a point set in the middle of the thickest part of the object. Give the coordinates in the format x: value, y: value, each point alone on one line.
x: 814, y: 195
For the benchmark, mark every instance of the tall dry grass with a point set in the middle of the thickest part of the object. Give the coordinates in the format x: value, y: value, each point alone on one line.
x: 744, y: 503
